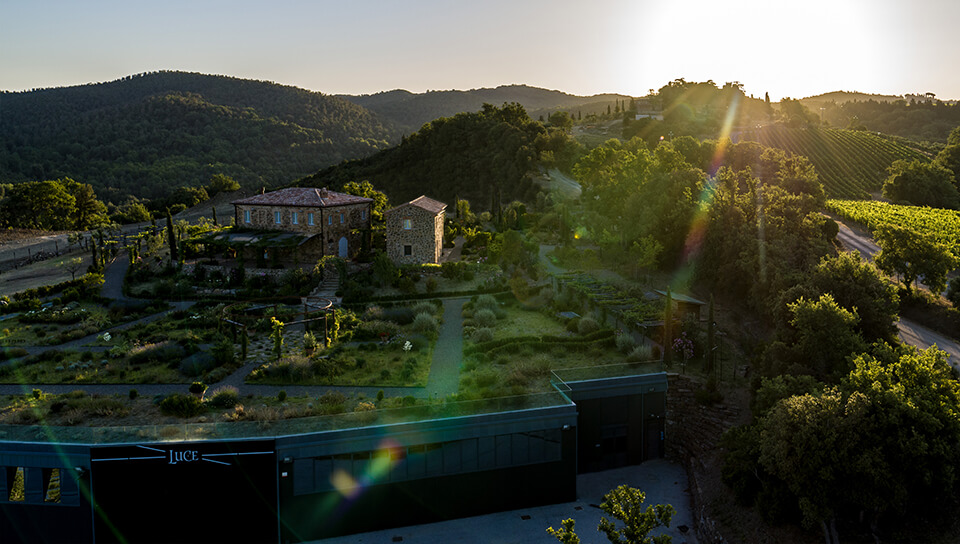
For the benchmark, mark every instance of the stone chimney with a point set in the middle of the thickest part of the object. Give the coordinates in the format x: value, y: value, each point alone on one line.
x: 324, y: 193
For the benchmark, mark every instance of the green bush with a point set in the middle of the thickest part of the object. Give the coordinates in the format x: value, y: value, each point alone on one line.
x: 588, y: 325
x: 485, y: 318
x: 425, y: 323
x: 223, y: 352
x: 372, y: 330
x: 641, y: 353
x: 424, y: 307
x: 180, y: 405
x: 196, y: 364
x: 166, y: 352
x: 484, y: 334
x: 224, y: 397
x: 626, y: 342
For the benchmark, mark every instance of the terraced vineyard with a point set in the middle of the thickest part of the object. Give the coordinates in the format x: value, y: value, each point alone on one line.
x: 851, y: 163
x: 943, y: 224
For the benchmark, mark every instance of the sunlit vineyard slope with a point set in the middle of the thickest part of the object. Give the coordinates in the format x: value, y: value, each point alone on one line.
x: 851, y: 163
x: 944, y: 224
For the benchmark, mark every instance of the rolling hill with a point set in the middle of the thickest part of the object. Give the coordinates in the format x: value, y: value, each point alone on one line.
x: 147, y: 134
x: 410, y: 111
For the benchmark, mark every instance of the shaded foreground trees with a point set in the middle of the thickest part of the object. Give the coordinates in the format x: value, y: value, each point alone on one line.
x: 624, y: 504
x: 875, y: 451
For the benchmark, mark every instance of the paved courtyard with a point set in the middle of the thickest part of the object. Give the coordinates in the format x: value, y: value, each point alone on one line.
x: 661, y: 480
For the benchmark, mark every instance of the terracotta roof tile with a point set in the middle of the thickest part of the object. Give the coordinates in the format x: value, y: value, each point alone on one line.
x: 423, y: 202
x: 303, y: 196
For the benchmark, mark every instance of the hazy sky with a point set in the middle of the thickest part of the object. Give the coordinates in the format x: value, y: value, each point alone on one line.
x: 792, y: 49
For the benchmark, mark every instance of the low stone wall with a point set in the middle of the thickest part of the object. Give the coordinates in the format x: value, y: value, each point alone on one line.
x: 693, y: 432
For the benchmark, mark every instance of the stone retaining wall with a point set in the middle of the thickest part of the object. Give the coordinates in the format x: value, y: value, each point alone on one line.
x: 693, y: 432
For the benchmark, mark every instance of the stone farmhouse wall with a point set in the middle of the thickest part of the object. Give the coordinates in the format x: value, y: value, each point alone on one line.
x: 351, y: 221
x: 423, y: 240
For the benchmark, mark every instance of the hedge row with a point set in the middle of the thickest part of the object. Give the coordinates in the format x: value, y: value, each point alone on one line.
x: 580, y: 346
x: 484, y: 347
x: 425, y: 296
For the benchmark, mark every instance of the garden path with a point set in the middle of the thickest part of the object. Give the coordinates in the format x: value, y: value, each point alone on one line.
x: 444, y: 377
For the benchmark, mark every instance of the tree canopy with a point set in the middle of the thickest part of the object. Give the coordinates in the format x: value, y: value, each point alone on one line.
x: 922, y: 184
x: 61, y: 204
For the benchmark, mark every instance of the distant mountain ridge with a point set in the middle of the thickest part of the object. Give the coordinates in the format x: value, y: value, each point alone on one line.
x: 145, y: 135
x: 411, y: 110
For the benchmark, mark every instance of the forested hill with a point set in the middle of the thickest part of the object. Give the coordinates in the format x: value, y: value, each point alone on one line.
x: 476, y: 156
x: 921, y: 121
x: 147, y: 134
x: 410, y: 111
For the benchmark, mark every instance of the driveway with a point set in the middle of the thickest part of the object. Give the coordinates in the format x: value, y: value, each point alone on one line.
x: 911, y: 333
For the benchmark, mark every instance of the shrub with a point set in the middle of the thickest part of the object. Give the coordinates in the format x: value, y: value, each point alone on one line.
x: 484, y: 334
x: 281, y: 395
x: 332, y: 398
x: 12, y: 353
x: 641, y: 353
x: 425, y: 323
x: 401, y: 315
x: 424, y: 307
x: 406, y: 285
x: 151, y: 353
x: 587, y: 325
x: 573, y: 325
x: 223, y: 352
x: 180, y: 405
x: 196, y: 364
x: 626, y: 342
x: 371, y: 330
x: 198, y: 388
x: 431, y: 284
x: 485, y: 318
x: 485, y: 302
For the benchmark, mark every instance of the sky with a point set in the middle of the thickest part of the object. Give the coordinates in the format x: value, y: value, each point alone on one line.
x: 583, y: 47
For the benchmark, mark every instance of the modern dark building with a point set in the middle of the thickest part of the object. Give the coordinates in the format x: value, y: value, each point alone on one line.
x: 314, y: 478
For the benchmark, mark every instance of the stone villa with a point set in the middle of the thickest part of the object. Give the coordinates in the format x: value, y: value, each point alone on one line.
x: 316, y: 222
x: 415, y: 231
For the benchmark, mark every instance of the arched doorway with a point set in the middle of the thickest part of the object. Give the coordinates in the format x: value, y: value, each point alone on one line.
x: 343, y: 248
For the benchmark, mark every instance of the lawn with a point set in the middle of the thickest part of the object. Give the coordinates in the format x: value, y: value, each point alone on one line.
x: 521, y: 321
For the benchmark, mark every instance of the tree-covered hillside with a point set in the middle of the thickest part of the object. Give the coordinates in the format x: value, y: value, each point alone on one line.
x: 484, y: 157
x: 920, y: 121
x: 410, y: 111
x: 148, y: 134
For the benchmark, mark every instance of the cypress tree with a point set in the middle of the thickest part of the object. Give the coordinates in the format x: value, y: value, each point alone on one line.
x: 668, y: 329
x: 711, y: 337
x: 172, y: 237
x: 214, y: 210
